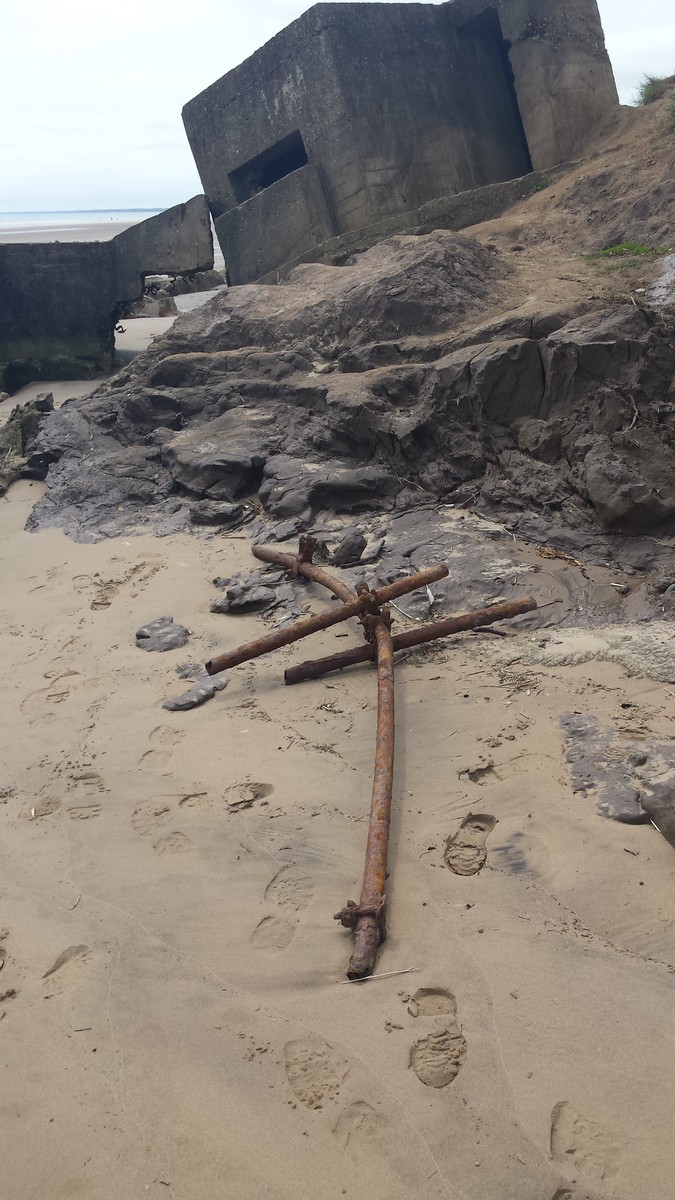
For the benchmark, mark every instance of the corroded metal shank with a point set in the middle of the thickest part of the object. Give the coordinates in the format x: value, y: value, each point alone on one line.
x: 354, y: 606
x: 367, y: 918
x: 413, y: 637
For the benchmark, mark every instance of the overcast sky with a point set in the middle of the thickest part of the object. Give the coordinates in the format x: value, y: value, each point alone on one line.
x: 91, y: 92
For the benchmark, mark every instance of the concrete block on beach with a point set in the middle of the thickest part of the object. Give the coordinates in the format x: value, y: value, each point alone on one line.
x: 356, y: 116
x: 60, y: 301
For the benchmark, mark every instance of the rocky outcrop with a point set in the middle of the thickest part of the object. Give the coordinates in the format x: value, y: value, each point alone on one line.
x: 376, y: 386
x: 16, y: 435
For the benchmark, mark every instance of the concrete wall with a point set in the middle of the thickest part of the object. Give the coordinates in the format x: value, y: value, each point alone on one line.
x: 174, y: 242
x: 398, y: 104
x: 562, y: 71
x: 55, y: 304
x: 276, y: 225
x: 58, y: 300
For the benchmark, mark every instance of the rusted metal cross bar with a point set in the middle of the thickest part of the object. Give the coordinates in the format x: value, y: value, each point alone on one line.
x: 354, y: 606
x: 314, y: 668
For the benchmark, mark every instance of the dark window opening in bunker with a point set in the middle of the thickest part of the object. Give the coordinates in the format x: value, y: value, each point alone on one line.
x: 267, y: 168
x: 485, y: 35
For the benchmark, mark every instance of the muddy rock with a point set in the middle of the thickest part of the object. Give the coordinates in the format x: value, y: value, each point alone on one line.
x: 347, y: 390
x: 350, y: 549
x: 214, y: 512
x: 17, y: 437
x: 161, y: 635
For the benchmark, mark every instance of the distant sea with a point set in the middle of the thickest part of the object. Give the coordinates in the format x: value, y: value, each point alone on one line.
x: 87, y: 225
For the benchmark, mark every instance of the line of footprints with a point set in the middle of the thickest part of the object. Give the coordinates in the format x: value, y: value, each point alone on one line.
x: 317, y: 1071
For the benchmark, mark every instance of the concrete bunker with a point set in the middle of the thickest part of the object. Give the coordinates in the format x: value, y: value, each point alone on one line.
x: 60, y: 301
x: 269, y: 167
x: 483, y: 43
x: 357, y: 115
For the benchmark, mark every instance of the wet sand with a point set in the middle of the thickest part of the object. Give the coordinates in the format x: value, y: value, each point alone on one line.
x: 174, y: 1020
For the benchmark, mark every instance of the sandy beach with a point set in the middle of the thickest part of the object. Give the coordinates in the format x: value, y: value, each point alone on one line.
x: 174, y: 1016
x: 175, y: 1019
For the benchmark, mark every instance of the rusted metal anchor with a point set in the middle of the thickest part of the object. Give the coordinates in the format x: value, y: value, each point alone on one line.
x: 367, y: 919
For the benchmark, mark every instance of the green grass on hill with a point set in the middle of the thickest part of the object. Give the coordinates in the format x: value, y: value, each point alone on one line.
x: 654, y: 87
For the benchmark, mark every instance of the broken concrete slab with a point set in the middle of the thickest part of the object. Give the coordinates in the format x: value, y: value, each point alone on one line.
x: 61, y: 300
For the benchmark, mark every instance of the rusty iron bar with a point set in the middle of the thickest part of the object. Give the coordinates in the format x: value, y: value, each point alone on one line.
x: 314, y: 668
x: 301, y: 564
x: 368, y: 917
x: 355, y: 606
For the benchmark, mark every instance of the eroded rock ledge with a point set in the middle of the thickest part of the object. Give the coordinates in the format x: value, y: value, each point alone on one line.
x: 378, y: 385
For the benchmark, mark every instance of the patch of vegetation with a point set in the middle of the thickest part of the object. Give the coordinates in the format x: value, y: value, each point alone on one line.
x: 623, y: 250
x: 540, y: 185
x: 671, y: 115
x: 654, y: 87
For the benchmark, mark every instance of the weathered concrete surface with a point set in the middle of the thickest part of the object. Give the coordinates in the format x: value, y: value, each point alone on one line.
x: 445, y: 212
x: 395, y: 105
x: 276, y: 226
x: 59, y: 300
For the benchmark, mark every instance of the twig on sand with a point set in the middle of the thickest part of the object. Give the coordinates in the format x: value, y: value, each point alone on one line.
x: 386, y: 975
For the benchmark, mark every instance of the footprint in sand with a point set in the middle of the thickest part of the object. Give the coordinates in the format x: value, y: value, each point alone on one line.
x: 465, y: 851
x: 83, y: 812
x: 314, y: 1070
x: 432, y: 1002
x: 148, y: 819
x: 161, y: 735
x: 155, y: 760
x: 61, y: 665
x: 360, y: 1122
x: 586, y: 1148
x: 86, y: 786
x: 195, y: 800
x: 290, y: 890
x: 437, y: 1058
x: 273, y: 933
x: 88, y: 783
x: 321, y: 1077
x: 174, y: 843
x: 36, y: 809
x: 481, y: 772
x: 39, y: 706
x: 162, y: 741
x: 66, y: 970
